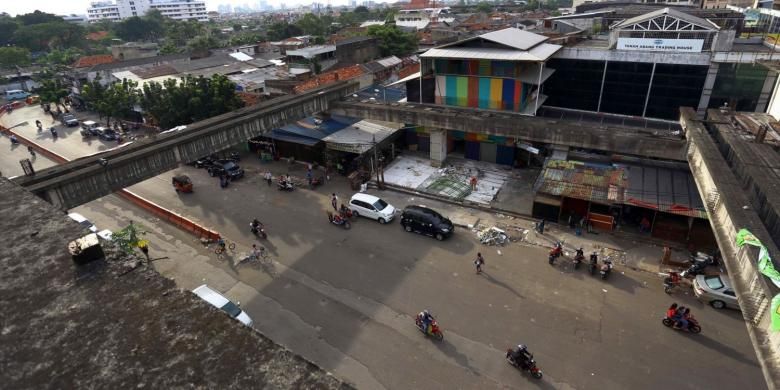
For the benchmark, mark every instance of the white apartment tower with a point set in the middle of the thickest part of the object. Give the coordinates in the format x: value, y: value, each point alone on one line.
x: 121, y: 9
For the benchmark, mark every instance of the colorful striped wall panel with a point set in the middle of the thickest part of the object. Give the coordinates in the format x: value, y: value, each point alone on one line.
x: 481, y: 92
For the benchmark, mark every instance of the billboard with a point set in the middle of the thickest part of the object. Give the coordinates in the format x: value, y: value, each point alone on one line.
x: 657, y: 44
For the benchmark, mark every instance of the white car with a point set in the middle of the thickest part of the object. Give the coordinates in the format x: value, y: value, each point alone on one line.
x: 370, y: 206
x: 220, y: 302
x: 83, y: 222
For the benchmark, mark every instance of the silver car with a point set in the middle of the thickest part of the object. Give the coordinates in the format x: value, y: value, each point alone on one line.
x: 715, y: 290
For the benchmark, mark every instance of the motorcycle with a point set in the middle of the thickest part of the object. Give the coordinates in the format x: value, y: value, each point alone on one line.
x: 606, y: 269
x: 693, y: 325
x: 285, y: 186
x: 695, y: 269
x: 528, y: 366
x: 258, y: 231
x: 434, y: 332
x: 345, y: 212
x: 555, y: 253
x: 338, y: 221
x: 671, y: 281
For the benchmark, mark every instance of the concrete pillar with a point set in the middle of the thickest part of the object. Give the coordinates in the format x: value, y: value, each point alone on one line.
x: 438, y: 146
x: 706, y: 92
x: 766, y: 91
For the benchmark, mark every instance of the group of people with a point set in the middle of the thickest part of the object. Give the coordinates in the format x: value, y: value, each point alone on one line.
x: 679, y: 314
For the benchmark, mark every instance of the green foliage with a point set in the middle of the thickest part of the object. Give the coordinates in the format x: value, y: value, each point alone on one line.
x: 139, y: 29
x: 13, y: 56
x: 283, y: 30
x: 50, y: 35
x: 129, y: 238
x: 168, y: 47
x: 311, y: 24
x: 181, y: 32
x: 245, y: 38
x: 62, y: 57
x: 52, y: 88
x: 200, y: 45
x: 38, y: 17
x: 361, y: 10
x: 7, y: 28
x: 393, y: 41
x: 114, y: 101
x: 236, y: 27
x: 484, y: 7
x: 192, y: 99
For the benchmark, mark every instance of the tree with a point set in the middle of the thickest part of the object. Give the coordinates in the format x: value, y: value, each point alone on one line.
x: 7, y: 28
x: 361, y: 10
x: 181, y: 32
x: 13, y: 56
x: 311, y: 24
x: 484, y: 7
x: 393, y: 41
x: 200, y: 45
x: 118, y: 100
x: 283, y: 30
x: 93, y: 92
x: 236, y: 27
x: 136, y: 29
x: 52, y: 88
x: 38, y: 17
x: 42, y: 36
x: 62, y: 57
x: 192, y: 99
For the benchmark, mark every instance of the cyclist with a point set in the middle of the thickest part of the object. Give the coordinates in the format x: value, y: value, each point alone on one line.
x: 221, y: 244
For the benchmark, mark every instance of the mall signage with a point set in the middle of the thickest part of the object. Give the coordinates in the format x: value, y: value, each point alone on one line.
x: 655, y: 44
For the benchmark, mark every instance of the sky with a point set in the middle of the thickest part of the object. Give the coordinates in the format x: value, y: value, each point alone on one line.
x: 79, y: 7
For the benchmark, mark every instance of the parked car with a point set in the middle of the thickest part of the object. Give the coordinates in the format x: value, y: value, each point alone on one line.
x: 83, y: 222
x: 69, y: 120
x: 207, y: 161
x: 423, y: 220
x: 370, y: 206
x: 220, y: 302
x: 715, y: 290
x: 108, y: 134
x: 89, y: 128
x: 226, y: 166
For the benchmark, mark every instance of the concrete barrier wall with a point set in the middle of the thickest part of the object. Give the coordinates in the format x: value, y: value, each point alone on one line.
x: 724, y: 202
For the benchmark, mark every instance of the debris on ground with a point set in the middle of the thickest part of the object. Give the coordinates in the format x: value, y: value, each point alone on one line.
x: 492, y: 236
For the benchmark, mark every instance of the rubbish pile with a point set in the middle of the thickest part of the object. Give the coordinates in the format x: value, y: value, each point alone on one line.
x: 492, y: 236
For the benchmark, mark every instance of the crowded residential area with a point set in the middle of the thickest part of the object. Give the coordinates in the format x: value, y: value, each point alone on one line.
x: 390, y: 195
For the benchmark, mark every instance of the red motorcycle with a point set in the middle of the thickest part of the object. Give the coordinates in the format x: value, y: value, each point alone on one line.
x: 528, y: 365
x: 433, y: 328
x: 693, y: 325
x: 338, y: 220
x: 672, y: 281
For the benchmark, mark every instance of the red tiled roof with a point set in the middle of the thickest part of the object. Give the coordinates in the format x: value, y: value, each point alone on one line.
x: 88, y: 61
x: 326, y: 78
x: 97, y: 35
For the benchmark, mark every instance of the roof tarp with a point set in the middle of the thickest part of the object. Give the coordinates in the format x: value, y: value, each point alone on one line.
x: 359, y: 137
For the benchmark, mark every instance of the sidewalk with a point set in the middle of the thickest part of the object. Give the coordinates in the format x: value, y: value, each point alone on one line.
x: 635, y: 252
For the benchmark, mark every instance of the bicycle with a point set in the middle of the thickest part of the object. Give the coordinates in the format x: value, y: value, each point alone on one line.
x: 222, y: 248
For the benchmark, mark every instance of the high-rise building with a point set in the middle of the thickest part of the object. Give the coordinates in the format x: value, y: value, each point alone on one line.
x: 121, y: 9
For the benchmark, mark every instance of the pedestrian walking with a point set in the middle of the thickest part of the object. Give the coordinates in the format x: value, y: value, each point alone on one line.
x: 32, y: 151
x: 540, y: 226
x: 479, y: 262
x: 268, y: 177
x: 309, y: 178
x: 334, y: 201
x: 473, y: 183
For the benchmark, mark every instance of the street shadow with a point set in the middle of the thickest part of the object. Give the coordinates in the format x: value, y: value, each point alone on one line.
x: 718, y: 347
x: 501, y: 284
x: 621, y: 281
x: 452, y: 352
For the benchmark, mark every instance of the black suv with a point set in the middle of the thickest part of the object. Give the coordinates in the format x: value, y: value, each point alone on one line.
x: 217, y: 168
x: 426, y: 221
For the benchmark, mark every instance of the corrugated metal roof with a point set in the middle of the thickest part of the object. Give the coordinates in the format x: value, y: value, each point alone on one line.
x: 311, y: 51
x: 539, y: 53
x: 514, y: 37
x: 389, y: 61
x: 703, y: 23
x: 358, y: 138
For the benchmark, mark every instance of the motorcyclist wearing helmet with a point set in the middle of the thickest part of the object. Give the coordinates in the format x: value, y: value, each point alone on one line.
x: 580, y: 254
x: 255, y: 226
x: 426, y: 319
x: 521, y: 356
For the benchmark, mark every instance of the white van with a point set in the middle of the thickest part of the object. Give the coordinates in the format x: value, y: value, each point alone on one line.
x: 372, y: 207
x: 220, y: 302
x: 16, y: 94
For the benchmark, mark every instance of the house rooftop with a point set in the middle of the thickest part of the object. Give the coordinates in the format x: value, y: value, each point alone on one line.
x: 311, y: 51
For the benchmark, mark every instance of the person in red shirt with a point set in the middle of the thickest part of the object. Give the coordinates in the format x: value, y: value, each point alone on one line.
x: 671, y: 311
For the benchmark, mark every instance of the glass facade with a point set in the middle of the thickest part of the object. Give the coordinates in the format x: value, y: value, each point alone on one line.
x: 575, y: 84
x: 675, y: 86
x: 739, y: 85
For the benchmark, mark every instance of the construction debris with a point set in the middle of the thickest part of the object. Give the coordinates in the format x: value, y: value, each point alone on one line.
x: 492, y: 236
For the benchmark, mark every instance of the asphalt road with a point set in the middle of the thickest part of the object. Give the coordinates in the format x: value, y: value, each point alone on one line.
x: 346, y: 299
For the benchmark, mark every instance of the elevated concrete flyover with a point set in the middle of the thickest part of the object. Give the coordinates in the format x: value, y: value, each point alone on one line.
x: 587, y: 135
x: 729, y: 210
x: 83, y: 180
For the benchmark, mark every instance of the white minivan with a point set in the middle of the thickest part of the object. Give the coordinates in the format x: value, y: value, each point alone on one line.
x: 372, y: 207
x: 220, y: 302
